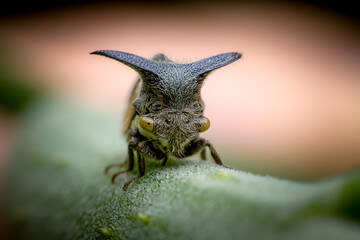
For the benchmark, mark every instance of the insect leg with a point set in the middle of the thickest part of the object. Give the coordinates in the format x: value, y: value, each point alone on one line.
x: 195, y: 146
x: 215, y: 155
x: 151, y: 152
x: 200, y: 144
x: 165, y: 160
x: 213, y: 152
x: 141, y: 163
x: 131, y: 158
x: 115, y: 165
x: 130, y: 167
x: 203, y: 154
x: 132, y: 144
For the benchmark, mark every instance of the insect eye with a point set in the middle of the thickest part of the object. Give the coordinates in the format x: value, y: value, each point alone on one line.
x: 204, y: 124
x: 146, y: 123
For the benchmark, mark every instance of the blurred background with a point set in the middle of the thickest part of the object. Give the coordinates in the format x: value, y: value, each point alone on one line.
x: 289, y: 108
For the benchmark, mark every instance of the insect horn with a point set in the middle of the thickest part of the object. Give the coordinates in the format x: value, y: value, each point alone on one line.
x: 143, y: 66
x: 205, y: 66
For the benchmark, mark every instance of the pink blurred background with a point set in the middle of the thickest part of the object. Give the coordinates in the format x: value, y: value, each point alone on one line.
x: 290, y: 106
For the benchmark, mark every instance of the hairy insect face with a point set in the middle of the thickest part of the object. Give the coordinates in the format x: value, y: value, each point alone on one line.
x: 177, y: 128
x: 175, y: 115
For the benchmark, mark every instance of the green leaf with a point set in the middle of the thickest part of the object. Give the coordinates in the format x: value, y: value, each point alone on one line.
x: 15, y: 92
x: 56, y: 189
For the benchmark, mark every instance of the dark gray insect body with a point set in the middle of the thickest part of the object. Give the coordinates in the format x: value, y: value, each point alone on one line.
x: 165, y: 113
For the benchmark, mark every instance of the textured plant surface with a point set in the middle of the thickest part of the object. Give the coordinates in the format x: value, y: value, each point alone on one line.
x: 56, y: 189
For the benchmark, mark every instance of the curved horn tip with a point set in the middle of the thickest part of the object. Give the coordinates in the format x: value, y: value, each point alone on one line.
x: 98, y: 52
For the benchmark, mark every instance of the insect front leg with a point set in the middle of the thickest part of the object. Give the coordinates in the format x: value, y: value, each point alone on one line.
x: 165, y: 160
x: 132, y: 145
x: 130, y: 159
x: 141, y: 163
x: 199, y: 144
x: 119, y: 165
x: 215, y: 155
x: 213, y: 152
x: 154, y: 153
x: 203, y: 154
